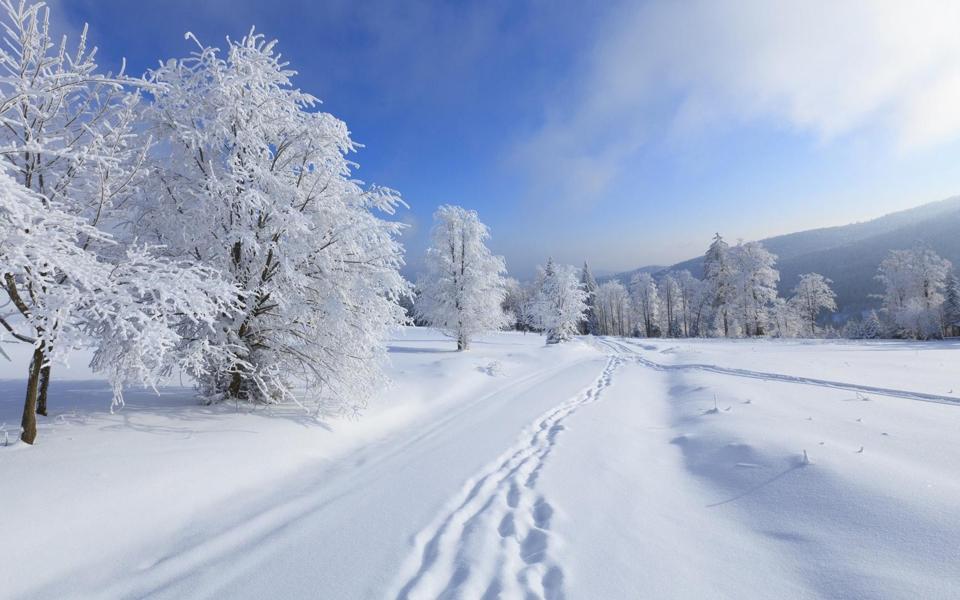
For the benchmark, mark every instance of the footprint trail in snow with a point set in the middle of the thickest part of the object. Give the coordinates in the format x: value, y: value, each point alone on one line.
x: 496, y: 540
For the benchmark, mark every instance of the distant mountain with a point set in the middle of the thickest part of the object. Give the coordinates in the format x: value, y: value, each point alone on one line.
x: 626, y: 276
x: 850, y: 254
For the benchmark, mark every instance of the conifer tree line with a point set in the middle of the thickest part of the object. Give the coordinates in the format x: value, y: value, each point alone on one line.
x: 737, y: 297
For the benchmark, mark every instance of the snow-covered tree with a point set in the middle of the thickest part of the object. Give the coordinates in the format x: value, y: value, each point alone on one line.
x: 951, y: 306
x: 589, y: 285
x: 407, y: 302
x: 852, y: 330
x: 896, y: 275
x: 669, y: 296
x: 871, y: 328
x: 463, y: 287
x: 47, y: 276
x: 561, y: 302
x: 613, y: 310
x: 719, y: 273
x: 694, y: 303
x: 914, y: 282
x: 784, y: 318
x: 756, y: 285
x: 643, y: 289
x: 811, y: 297
x: 517, y: 303
x: 250, y: 179
x: 70, y: 141
x: 58, y: 113
x: 131, y: 313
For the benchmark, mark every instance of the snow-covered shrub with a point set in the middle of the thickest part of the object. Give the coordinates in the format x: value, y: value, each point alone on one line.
x: 852, y: 330
x: 871, y: 328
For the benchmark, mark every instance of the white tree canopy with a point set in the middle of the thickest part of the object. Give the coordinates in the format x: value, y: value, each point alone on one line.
x: 914, y: 283
x: 248, y: 178
x: 811, y: 297
x: 755, y: 285
x: 719, y: 273
x: 71, y: 266
x: 463, y: 288
x: 561, y: 302
x: 614, y: 314
x: 589, y: 284
x: 645, y: 297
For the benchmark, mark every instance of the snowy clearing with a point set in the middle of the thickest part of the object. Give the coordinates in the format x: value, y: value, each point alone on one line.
x: 602, y: 468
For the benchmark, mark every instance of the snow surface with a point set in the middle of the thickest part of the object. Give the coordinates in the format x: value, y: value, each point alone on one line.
x: 601, y: 468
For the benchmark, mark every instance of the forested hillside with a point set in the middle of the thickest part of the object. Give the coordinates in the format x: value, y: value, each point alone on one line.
x: 850, y: 254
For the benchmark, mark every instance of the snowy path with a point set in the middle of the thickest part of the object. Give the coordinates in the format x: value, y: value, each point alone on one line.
x: 630, y: 349
x: 655, y: 493
x: 356, y: 514
x: 726, y: 503
x: 496, y: 540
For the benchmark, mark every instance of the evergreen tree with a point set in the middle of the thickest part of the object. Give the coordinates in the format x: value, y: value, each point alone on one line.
x: 951, y: 306
x: 561, y: 302
x: 719, y: 272
x: 871, y: 328
x: 589, y: 285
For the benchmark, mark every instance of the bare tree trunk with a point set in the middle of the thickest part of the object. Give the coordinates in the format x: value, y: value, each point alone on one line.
x: 29, y: 421
x: 462, y: 342
x: 44, y: 386
x: 236, y: 384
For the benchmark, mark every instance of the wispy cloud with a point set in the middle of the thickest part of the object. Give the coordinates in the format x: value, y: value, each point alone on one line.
x: 824, y: 69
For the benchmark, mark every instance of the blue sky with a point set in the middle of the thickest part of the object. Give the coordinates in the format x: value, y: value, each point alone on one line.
x: 625, y: 134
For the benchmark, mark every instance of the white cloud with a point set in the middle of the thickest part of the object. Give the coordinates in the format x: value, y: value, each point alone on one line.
x: 822, y: 68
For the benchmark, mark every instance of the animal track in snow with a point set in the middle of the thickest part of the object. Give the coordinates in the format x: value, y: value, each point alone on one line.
x: 495, y: 542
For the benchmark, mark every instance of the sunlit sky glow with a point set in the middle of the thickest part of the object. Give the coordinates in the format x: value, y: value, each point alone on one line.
x: 625, y: 134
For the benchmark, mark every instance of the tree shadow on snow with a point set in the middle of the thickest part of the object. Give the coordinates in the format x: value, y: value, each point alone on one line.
x: 409, y: 350
x: 168, y: 410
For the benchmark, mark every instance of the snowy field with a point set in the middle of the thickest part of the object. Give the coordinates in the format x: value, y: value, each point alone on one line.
x: 602, y: 468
